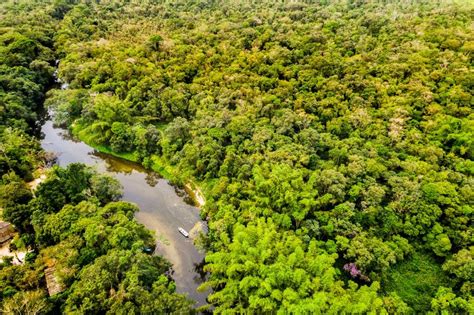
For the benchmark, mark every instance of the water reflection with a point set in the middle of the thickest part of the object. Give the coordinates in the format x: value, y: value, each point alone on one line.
x: 162, y: 207
x: 116, y: 165
x: 201, y: 275
x: 152, y: 179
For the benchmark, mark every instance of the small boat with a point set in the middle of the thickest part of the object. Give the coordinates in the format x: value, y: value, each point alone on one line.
x: 183, y: 231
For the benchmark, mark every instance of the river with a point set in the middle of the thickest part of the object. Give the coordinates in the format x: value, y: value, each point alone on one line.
x: 162, y: 210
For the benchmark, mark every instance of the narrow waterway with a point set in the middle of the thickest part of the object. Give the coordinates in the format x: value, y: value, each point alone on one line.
x: 162, y: 210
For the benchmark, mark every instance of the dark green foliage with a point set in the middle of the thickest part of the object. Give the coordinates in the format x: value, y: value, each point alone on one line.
x: 125, y: 282
x: 26, y: 64
x: 155, y: 41
x: 88, y: 246
x: 18, y: 153
x: 74, y: 184
x: 335, y: 140
x: 346, y: 124
x: 70, y: 225
x: 98, y: 254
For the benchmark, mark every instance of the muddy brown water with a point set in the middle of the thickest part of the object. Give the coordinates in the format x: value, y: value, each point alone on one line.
x: 162, y: 210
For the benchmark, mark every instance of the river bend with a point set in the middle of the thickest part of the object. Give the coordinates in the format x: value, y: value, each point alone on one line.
x: 162, y: 210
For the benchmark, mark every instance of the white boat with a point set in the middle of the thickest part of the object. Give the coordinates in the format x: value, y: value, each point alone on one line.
x: 183, y: 231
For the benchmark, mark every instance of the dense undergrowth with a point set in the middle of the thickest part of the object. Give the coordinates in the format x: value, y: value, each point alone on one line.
x: 334, y: 140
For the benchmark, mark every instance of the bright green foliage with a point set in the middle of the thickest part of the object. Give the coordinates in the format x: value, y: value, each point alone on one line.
x: 345, y: 124
x: 70, y: 224
x: 446, y: 302
x: 461, y: 265
x: 327, y: 134
x: 371, y: 253
x: 264, y: 270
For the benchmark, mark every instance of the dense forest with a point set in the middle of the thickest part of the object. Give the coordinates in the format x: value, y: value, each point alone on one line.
x: 333, y: 141
x: 73, y: 222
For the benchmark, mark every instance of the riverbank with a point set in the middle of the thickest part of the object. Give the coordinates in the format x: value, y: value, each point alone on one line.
x: 162, y: 209
x: 158, y: 164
